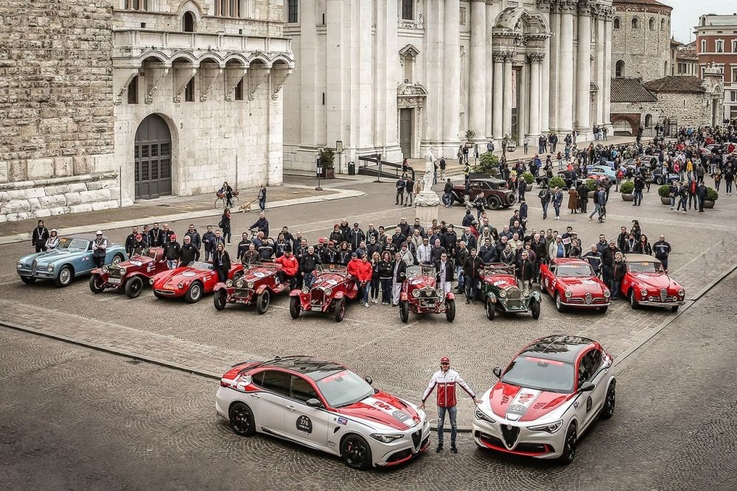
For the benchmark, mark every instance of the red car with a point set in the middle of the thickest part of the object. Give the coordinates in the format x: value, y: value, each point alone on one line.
x: 572, y: 283
x: 330, y: 290
x: 130, y: 275
x: 190, y: 282
x: 420, y: 295
x: 258, y: 283
x: 646, y: 283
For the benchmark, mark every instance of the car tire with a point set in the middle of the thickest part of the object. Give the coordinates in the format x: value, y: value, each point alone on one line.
x: 96, y: 284
x: 450, y: 310
x: 494, y: 203
x: 220, y: 299
x: 28, y: 280
x: 118, y: 258
x: 262, y: 302
x: 294, y: 307
x: 535, y: 308
x: 490, y: 309
x: 133, y: 287
x: 241, y: 419
x: 355, y: 452
x: 611, y: 398
x: 602, y: 310
x: 404, y: 311
x: 569, y: 447
x: 558, y: 303
x: 194, y: 292
x: 65, y: 276
x: 339, y: 309
x: 633, y: 300
x: 659, y: 181
x: 674, y: 308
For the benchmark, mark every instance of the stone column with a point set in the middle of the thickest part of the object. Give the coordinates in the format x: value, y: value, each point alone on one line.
x: 489, y: 85
x: 583, y: 70
x: 477, y: 70
x: 498, y: 94
x: 536, y: 60
x: 609, y: 16
x: 451, y: 75
x: 310, y: 94
x: 362, y: 105
x: 565, y: 65
x: 553, y: 68
x: 507, y: 106
x: 433, y: 59
x: 600, y: 73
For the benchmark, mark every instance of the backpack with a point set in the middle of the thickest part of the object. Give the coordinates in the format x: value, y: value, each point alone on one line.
x: 220, y: 224
x: 596, y: 198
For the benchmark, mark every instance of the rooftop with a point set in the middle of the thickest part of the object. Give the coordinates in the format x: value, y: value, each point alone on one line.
x: 630, y: 90
x: 675, y: 84
x: 644, y: 3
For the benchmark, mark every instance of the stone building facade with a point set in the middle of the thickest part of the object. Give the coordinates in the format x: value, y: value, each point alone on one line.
x: 641, y: 39
x: 716, y: 47
x: 105, y: 102
x: 398, y: 76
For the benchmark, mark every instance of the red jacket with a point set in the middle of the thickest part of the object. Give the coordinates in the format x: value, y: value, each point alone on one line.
x: 364, y: 271
x: 355, y: 267
x: 289, y: 265
x: 446, y: 383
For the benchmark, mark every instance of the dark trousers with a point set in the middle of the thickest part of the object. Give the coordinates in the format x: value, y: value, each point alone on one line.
x: 99, y: 260
x: 42, y: 247
x: 283, y: 277
x: 222, y: 274
x: 375, y: 288
x: 399, y: 200
x: 386, y: 290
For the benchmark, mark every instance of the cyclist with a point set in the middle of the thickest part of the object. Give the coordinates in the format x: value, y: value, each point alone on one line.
x: 228, y: 192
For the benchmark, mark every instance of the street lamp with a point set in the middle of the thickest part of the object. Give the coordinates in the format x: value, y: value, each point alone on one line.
x: 378, y: 176
x: 318, y: 167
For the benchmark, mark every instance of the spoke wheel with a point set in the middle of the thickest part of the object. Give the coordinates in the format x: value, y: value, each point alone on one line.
x: 535, y: 308
x: 633, y: 300
x: 118, y: 258
x: 494, y: 203
x: 450, y: 310
x: 194, y: 293
x: 97, y: 285
x: 241, y: 419
x: 558, y: 303
x: 404, y: 311
x: 490, y: 309
x: 65, y: 276
x: 610, y: 402
x: 262, y: 301
x: 220, y: 299
x: 219, y: 203
x: 356, y: 452
x: 569, y: 449
x: 339, y: 309
x: 133, y: 287
x: 294, y: 307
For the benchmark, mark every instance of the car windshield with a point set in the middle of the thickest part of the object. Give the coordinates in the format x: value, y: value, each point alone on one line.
x: 201, y: 265
x: 333, y: 268
x: 71, y: 243
x: 575, y: 271
x: 538, y: 373
x: 645, y: 267
x: 421, y: 270
x: 344, y: 388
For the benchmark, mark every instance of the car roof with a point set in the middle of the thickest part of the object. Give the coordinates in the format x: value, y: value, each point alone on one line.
x: 314, y: 368
x: 560, y: 347
x: 641, y: 258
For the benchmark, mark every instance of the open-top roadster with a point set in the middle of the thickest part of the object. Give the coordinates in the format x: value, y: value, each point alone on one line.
x: 330, y: 291
x: 257, y: 285
x: 501, y: 291
x: 131, y: 275
x: 421, y: 295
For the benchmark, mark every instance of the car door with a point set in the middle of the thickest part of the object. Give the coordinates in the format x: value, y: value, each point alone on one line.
x: 593, y: 371
x: 305, y: 424
x: 209, y: 279
x: 269, y: 405
x: 547, y: 272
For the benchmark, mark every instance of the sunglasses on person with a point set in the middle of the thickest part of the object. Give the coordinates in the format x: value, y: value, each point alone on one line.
x: 444, y: 363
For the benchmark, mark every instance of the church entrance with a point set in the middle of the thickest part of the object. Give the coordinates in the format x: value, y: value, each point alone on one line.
x: 405, y: 131
x: 152, y: 156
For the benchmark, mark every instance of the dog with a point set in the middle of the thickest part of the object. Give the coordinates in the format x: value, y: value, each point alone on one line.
x: 246, y: 207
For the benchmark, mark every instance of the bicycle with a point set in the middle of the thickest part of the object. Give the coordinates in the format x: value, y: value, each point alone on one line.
x: 220, y: 201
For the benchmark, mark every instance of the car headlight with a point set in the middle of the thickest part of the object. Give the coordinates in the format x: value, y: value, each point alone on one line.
x: 239, y: 283
x: 151, y: 281
x: 547, y: 428
x: 229, y: 283
x: 328, y: 291
x: 568, y: 294
x: 440, y: 293
x: 105, y: 269
x: 681, y: 292
x: 643, y: 292
x: 249, y: 284
x: 502, y: 294
x: 607, y: 293
x: 123, y: 270
x: 305, y: 290
x: 50, y: 268
x: 180, y: 285
x: 386, y: 438
x: 525, y: 293
x: 479, y: 414
x: 19, y: 265
x: 416, y: 293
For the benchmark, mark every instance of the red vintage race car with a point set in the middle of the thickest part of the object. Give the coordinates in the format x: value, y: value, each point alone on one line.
x: 257, y: 285
x: 190, y: 282
x: 130, y: 275
x: 332, y: 287
x: 646, y: 283
x: 572, y: 283
x: 421, y: 295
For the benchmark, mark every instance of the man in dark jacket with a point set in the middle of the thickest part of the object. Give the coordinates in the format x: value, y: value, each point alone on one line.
x: 172, y: 251
x: 261, y: 225
x: 471, y: 272
x: 544, y: 196
x: 593, y: 257
x: 130, y: 241
x: 307, y: 267
x: 607, y: 260
x: 399, y: 198
x: 194, y: 236
x: 661, y: 249
x: 701, y: 195
x: 461, y: 254
x: 583, y: 196
x: 243, y: 245
x: 155, y: 236
x: 208, y: 240
x: 39, y: 236
x: 639, y: 186
x: 189, y: 252
x: 447, y: 193
x: 356, y: 236
x: 398, y: 275
x: 444, y: 269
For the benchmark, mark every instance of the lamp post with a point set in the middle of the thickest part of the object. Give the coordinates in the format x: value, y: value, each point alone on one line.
x: 318, y: 167
x: 339, y: 150
x: 378, y: 176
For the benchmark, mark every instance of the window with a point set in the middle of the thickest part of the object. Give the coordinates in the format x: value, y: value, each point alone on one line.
x: 407, y: 10
x: 239, y: 91
x: 189, y: 91
x: 734, y: 75
x: 648, y: 121
x: 133, y: 91
x: 227, y: 8
x: 703, y: 45
x: 462, y: 16
x: 662, y: 24
x: 619, y: 69
x: 293, y: 11
x: 733, y: 96
x: 276, y: 381
x: 136, y: 5
x: 188, y: 22
x: 651, y: 23
x: 302, y: 390
x: 720, y: 46
x: 635, y: 23
x: 616, y: 22
x: 734, y: 46
x: 409, y: 61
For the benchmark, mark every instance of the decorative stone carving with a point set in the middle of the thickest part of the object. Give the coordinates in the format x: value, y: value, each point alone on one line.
x: 585, y: 7
x: 154, y: 86
x: 499, y: 56
x: 536, y: 57
x: 567, y: 6
x: 411, y: 95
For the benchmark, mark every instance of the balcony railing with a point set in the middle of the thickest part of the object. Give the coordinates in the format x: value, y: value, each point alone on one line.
x: 196, y: 41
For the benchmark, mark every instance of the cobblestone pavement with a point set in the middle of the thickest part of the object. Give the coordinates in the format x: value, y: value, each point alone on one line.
x: 75, y: 418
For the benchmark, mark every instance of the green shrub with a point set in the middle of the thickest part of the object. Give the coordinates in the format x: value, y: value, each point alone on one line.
x: 712, y: 194
x: 591, y: 184
x: 488, y: 164
x: 557, y: 182
x: 664, y: 191
x: 527, y: 176
x: 327, y: 157
x: 627, y: 187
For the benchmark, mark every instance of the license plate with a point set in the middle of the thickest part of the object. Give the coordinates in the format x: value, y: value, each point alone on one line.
x: 114, y: 281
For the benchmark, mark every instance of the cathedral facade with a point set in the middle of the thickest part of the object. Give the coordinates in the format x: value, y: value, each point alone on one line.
x: 395, y: 77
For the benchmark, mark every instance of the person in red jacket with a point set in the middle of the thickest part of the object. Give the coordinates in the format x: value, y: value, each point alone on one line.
x: 361, y: 271
x: 446, y: 380
x: 289, y: 268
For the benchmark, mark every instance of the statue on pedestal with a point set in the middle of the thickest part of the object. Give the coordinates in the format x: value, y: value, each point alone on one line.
x: 429, y: 170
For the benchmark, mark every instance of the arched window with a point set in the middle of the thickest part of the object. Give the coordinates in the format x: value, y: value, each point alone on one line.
x: 651, y: 23
x: 662, y: 24
x: 665, y: 69
x: 619, y: 69
x: 635, y: 23
x: 616, y: 22
x: 648, y: 121
x: 188, y: 22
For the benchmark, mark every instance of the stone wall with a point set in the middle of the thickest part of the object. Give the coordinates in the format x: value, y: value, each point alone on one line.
x: 645, y: 51
x: 687, y: 110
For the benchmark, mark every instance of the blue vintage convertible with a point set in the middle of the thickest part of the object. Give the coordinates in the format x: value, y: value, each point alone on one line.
x: 72, y: 257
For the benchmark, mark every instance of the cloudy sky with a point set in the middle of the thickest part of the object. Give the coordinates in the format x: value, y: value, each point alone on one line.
x: 686, y: 14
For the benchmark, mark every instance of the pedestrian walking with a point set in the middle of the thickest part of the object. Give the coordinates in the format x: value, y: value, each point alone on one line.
x: 557, y: 202
x: 544, y: 196
x: 225, y: 225
x: 262, y: 197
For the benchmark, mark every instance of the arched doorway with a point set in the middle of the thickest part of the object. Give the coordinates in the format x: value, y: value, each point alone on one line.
x: 152, y: 155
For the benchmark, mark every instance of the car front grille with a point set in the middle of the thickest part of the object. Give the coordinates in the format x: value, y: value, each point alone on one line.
x: 588, y: 299
x: 416, y: 438
x: 663, y: 294
x: 242, y: 292
x: 510, y: 434
x: 34, y: 266
x: 317, y: 297
x: 114, y: 272
x: 514, y: 294
x: 397, y: 456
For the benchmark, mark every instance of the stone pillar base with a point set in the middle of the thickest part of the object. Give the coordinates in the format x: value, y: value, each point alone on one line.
x: 426, y: 207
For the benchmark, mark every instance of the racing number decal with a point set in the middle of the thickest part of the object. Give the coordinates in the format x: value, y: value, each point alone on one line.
x: 304, y: 424
x: 588, y: 404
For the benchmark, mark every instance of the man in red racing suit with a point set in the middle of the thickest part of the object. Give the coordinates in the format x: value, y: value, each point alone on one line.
x: 446, y: 380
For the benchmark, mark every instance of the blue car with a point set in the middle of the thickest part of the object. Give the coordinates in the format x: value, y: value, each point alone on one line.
x: 71, y: 258
x: 599, y: 171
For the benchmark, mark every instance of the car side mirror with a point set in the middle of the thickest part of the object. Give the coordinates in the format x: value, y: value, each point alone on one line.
x: 314, y: 403
x: 497, y: 371
x: 368, y: 380
x: 587, y: 387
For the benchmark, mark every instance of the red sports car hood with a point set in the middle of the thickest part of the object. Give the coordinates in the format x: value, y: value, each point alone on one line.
x: 329, y: 280
x: 501, y: 281
x: 384, y: 409
x: 654, y: 280
x: 422, y: 282
x: 136, y: 261
x: 582, y: 285
x: 521, y: 404
x: 182, y: 274
x: 255, y: 274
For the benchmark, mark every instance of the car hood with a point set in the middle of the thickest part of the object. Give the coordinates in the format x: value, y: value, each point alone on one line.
x: 256, y: 274
x: 183, y: 274
x: 51, y: 256
x: 422, y: 282
x: 384, y: 409
x: 329, y: 280
x: 583, y: 285
x: 134, y: 262
x: 654, y: 280
x: 502, y: 281
x: 522, y: 404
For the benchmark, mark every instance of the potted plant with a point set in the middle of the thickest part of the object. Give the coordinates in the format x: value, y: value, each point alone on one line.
x: 470, y: 135
x: 529, y: 178
x: 664, y: 193
x: 488, y: 164
x: 626, y: 189
x: 711, y: 196
x: 557, y: 182
x: 327, y: 160
x: 591, y: 186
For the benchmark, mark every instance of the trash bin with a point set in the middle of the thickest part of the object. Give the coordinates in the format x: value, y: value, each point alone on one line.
x: 351, y: 169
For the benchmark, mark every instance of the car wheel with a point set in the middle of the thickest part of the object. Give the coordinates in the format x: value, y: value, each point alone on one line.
x: 658, y: 180
x: 633, y: 300
x: 65, y: 276
x: 241, y: 419
x: 535, y: 308
x: 194, y: 292
x: 262, y: 302
x: 569, y: 447
x: 450, y: 310
x: 133, y: 287
x: 610, y: 401
x: 558, y: 303
x: 339, y: 309
x: 602, y: 310
x: 404, y: 311
x: 97, y: 285
x: 490, y: 309
x: 356, y: 452
x: 220, y: 299
x: 494, y: 203
x: 674, y: 308
x: 118, y: 258
x: 294, y: 307
x: 28, y: 280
